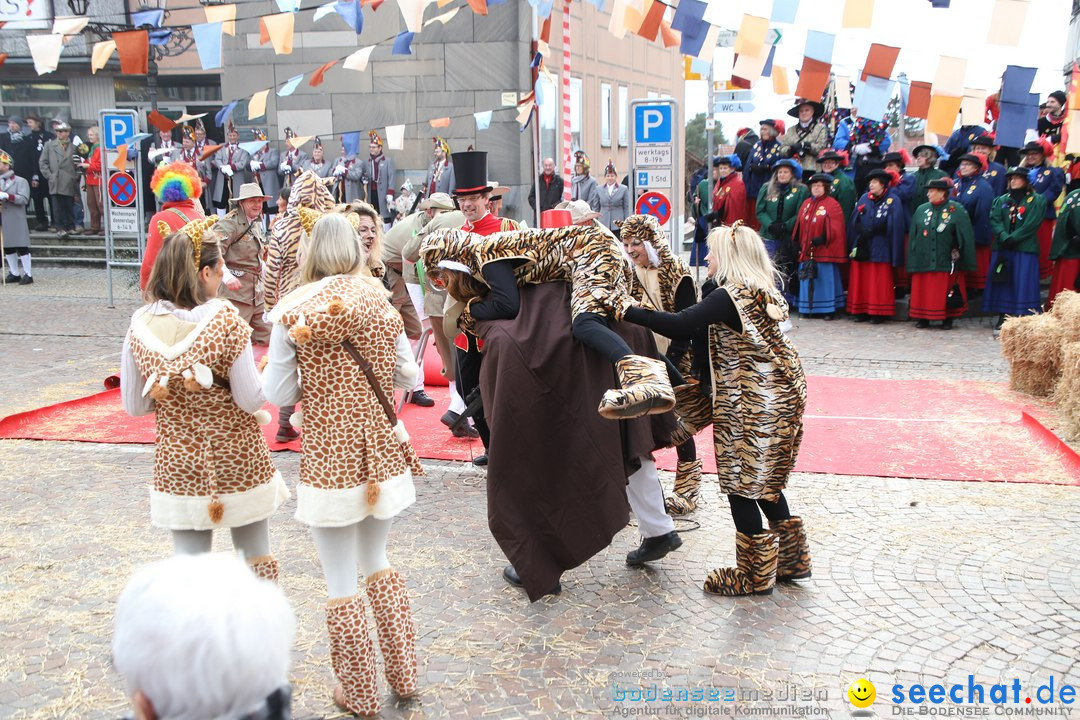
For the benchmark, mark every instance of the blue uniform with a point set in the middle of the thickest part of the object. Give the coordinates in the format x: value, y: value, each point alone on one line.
x: 759, y: 164
x: 975, y: 194
x: 1049, y: 182
x: 881, y: 224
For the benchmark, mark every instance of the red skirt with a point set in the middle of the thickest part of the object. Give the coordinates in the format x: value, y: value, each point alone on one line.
x: 1046, y: 237
x: 871, y: 290
x: 928, y: 292
x: 1064, y: 278
x: 976, y: 279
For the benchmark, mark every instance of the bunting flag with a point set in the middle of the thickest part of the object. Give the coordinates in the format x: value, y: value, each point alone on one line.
x: 253, y: 146
x: 319, y: 75
x: 121, y: 158
x: 1070, y: 129
x: 842, y: 88
x: 1007, y: 22
x: 780, y: 80
x: 324, y: 10
x: 69, y: 25
x: 443, y: 122
x: 290, y: 86
x: 299, y: 141
x: 412, y: 11
x: 872, y: 97
x: 208, y: 44
x: 813, y: 78
x: 280, y: 29
x: 949, y: 78
x: 161, y: 122
x: 100, y: 55
x: 783, y: 11
x: 359, y: 60
x: 819, y: 46
x: 880, y: 61
x: 133, y: 47
x: 223, y: 115
x: 349, y: 10
x: 350, y: 143
x: 973, y: 106
x: 395, y: 137
x: 45, y: 49
x: 209, y: 150
x: 403, y: 43
x: 858, y: 14
x: 264, y: 34
x: 257, y: 105
x: 650, y: 24
x: 288, y: 5
x: 3, y: 57
x: 478, y: 6
x: 941, y: 116
x: 443, y: 18
x: 152, y: 18
x: 483, y: 119
x: 751, y: 35
x: 671, y: 37
x: 188, y: 118
x: 224, y: 14
x: 918, y: 99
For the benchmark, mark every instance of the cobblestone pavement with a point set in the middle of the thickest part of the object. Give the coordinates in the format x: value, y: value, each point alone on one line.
x: 914, y: 581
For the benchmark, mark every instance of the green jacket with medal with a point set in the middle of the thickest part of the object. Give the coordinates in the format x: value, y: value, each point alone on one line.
x: 843, y: 189
x: 1066, y: 243
x: 935, y: 231
x: 1015, y: 223
x: 782, y: 210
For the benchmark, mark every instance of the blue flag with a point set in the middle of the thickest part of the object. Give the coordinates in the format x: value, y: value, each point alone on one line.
x: 350, y: 11
x: 225, y: 113
x: 208, y: 43
x: 350, y: 143
x: 403, y: 43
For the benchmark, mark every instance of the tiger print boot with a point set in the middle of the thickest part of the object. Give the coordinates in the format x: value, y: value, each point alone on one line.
x: 397, y: 632
x: 755, y: 574
x: 265, y: 566
x: 645, y: 390
x: 794, y: 563
x: 693, y: 411
x: 352, y: 656
x: 687, y: 483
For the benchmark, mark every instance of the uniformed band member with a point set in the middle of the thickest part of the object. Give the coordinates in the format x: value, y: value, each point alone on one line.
x: 941, y: 248
x: 231, y: 166
x: 292, y: 161
x: 264, y: 167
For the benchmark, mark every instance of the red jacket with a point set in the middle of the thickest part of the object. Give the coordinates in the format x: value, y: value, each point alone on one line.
x: 93, y: 172
x: 192, y: 209
x: 821, y: 218
x: 729, y: 199
x: 487, y: 225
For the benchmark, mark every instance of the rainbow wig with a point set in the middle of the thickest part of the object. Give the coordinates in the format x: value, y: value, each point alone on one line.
x: 176, y: 182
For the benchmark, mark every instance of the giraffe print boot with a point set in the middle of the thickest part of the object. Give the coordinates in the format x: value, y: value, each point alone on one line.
x: 397, y: 632
x: 794, y: 563
x: 265, y: 566
x: 755, y: 571
x: 352, y: 656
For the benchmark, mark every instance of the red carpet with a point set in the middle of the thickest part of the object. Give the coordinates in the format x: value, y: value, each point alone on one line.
x: 885, y: 428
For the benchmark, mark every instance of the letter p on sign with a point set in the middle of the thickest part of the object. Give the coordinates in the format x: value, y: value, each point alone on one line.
x: 652, y: 124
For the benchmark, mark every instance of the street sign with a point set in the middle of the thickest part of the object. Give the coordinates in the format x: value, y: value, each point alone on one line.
x: 116, y: 129
x: 733, y: 107
x: 653, y: 123
x: 655, y: 204
x: 122, y: 189
x: 774, y: 37
x: 647, y: 156
x: 124, y: 221
x: 710, y: 123
x: 726, y: 38
x: 733, y: 96
x: 654, y: 178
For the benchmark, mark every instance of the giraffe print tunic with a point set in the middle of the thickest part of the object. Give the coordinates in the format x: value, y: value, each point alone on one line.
x: 209, y: 452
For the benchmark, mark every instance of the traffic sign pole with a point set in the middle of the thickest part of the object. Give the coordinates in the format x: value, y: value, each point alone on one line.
x: 123, y: 201
x: 655, y: 163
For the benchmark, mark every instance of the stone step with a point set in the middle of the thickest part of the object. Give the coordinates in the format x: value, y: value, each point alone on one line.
x: 83, y: 251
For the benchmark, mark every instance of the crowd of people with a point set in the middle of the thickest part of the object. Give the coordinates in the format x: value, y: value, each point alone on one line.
x: 533, y: 326
x: 852, y: 224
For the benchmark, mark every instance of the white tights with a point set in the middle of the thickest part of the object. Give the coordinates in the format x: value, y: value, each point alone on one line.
x: 342, y: 550
x: 251, y: 540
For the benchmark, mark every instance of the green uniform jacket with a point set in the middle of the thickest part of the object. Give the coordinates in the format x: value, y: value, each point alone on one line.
x: 935, y: 231
x: 704, y: 203
x: 784, y: 208
x: 1068, y: 227
x: 1023, y: 236
x: 922, y: 179
x: 843, y: 189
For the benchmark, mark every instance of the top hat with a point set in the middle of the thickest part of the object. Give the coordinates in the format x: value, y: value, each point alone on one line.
x: 470, y: 172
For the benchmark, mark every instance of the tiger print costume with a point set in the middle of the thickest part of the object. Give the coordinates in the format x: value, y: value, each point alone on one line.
x: 759, y: 398
x: 282, y: 272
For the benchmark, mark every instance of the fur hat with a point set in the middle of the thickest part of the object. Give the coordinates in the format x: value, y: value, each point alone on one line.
x: 374, y: 138
x: 582, y: 159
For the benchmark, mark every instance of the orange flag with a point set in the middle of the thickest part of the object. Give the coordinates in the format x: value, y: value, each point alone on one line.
x: 160, y: 121
x: 133, y: 46
x: 3, y: 56
x: 210, y: 150
x: 672, y: 38
x: 374, y: 4
x: 545, y: 31
x: 121, y: 158
x: 478, y: 6
x: 654, y: 16
x: 264, y: 34
x: 319, y: 75
x: 439, y: 122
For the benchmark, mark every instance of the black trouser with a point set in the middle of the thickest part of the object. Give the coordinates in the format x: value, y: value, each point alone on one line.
x: 747, y: 517
x: 594, y: 332
x: 687, y: 451
x: 468, y: 378
x: 63, y: 211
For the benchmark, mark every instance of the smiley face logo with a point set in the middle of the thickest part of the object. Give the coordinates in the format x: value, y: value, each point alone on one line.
x: 862, y: 693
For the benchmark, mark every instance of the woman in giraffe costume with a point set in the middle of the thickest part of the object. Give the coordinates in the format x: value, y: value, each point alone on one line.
x: 188, y: 359
x: 339, y: 347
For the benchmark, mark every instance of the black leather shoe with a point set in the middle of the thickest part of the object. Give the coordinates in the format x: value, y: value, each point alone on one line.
x: 829, y: 316
x: 421, y: 398
x: 465, y: 430
x: 654, y: 548
x: 12, y: 278
x: 878, y: 319
x: 922, y: 324
x: 946, y: 324
x: 480, y: 460
x: 26, y: 280
x: 510, y: 575
x: 862, y: 317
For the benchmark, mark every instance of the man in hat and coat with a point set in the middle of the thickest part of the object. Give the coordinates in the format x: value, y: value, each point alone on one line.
x: 318, y: 163
x: 14, y: 195
x: 377, y: 173
x: 39, y: 186
x: 57, y: 163
x: 188, y: 153
x: 292, y: 161
x: 242, y: 238
x: 440, y: 176
x: 263, y: 165
x: 231, y: 167
x: 808, y: 137
x: 583, y: 184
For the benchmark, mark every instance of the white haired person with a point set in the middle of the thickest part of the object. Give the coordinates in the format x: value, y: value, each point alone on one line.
x: 188, y: 359
x: 339, y: 348
x: 759, y: 395
x: 199, y: 636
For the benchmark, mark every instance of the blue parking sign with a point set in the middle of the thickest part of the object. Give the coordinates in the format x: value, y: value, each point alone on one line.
x: 116, y: 129
x: 653, y: 123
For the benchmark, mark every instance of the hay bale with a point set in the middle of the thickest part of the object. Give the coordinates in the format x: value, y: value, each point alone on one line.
x: 1067, y: 392
x: 1067, y: 311
x: 1032, y: 345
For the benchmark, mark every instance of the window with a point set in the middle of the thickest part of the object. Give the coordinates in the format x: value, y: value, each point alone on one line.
x: 45, y: 99
x: 624, y: 115
x: 575, y: 114
x: 549, y: 134
x: 605, y: 115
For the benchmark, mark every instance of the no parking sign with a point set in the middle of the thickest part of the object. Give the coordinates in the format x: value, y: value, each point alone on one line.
x: 655, y: 204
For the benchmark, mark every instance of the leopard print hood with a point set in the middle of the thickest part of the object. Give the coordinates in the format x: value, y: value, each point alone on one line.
x: 449, y: 244
x: 309, y: 191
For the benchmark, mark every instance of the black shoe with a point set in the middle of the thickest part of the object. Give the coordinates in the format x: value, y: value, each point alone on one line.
x: 26, y: 280
x: 946, y: 324
x: 480, y: 460
x: 464, y: 430
x: 1000, y: 321
x: 829, y: 316
x: 12, y: 278
x: 421, y: 398
x: 41, y: 227
x: 878, y: 319
x: 922, y: 324
x: 286, y: 433
x: 862, y: 317
x: 654, y: 548
x: 510, y: 575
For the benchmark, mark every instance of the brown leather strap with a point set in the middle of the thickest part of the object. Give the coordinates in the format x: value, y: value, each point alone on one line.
x: 387, y: 406
x: 222, y: 382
